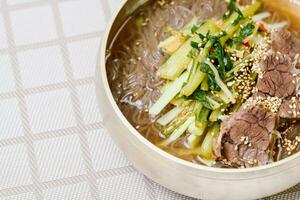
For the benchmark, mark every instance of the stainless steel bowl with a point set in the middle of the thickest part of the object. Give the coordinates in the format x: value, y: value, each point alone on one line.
x: 178, y: 175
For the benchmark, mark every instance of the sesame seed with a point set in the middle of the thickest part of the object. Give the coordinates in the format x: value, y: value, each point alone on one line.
x: 236, y: 147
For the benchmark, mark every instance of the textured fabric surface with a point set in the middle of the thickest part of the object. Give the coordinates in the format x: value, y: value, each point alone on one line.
x: 52, y: 141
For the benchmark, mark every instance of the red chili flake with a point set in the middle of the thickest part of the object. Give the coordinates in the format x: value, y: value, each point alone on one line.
x: 211, y: 51
x: 262, y: 27
x: 247, y: 44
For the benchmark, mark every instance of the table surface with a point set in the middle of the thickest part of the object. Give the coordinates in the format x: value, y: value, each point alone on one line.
x: 52, y: 141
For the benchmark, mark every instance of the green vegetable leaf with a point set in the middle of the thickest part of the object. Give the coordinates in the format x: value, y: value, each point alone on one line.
x: 239, y: 18
x: 201, y: 96
x: 219, y: 56
x: 202, y: 37
x: 194, y: 29
x: 213, y: 39
x: 223, y: 33
x: 231, y: 8
x: 245, y: 32
x: 229, y: 42
x: 205, y: 99
x: 216, y: 53
x: 228, y: 62
x: 203, y: 115
x: 195, y: 45
x: 211, y: 77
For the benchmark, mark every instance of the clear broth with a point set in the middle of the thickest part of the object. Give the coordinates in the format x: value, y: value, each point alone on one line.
x: 134, y: 58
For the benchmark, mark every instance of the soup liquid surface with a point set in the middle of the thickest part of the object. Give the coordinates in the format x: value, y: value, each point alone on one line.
x: 134, y: 59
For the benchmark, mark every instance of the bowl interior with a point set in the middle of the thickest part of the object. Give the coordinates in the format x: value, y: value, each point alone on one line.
x: 112, y: 30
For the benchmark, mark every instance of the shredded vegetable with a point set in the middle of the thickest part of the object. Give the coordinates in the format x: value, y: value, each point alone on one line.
x: 202, y: 75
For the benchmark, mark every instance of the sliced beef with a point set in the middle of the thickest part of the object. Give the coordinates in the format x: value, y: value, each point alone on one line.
x: 290, y: 108
x: 292, y: 132
x: 283, y: 42
x: 277, y: 80
x: 245, y: 136
x: 248, y: 135
x: 290, y: 135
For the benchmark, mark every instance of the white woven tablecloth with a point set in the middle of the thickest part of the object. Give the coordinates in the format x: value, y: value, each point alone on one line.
x: 52, y: 142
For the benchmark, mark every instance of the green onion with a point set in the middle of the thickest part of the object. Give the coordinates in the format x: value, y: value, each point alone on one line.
x: 178, y: 132
x: 220, y: 82
x: 202, y: 121
x: 206, y: 149
x: 171, y: 115
x: 193, y: 141
x: 214, y: 116
x: 169, y: 94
